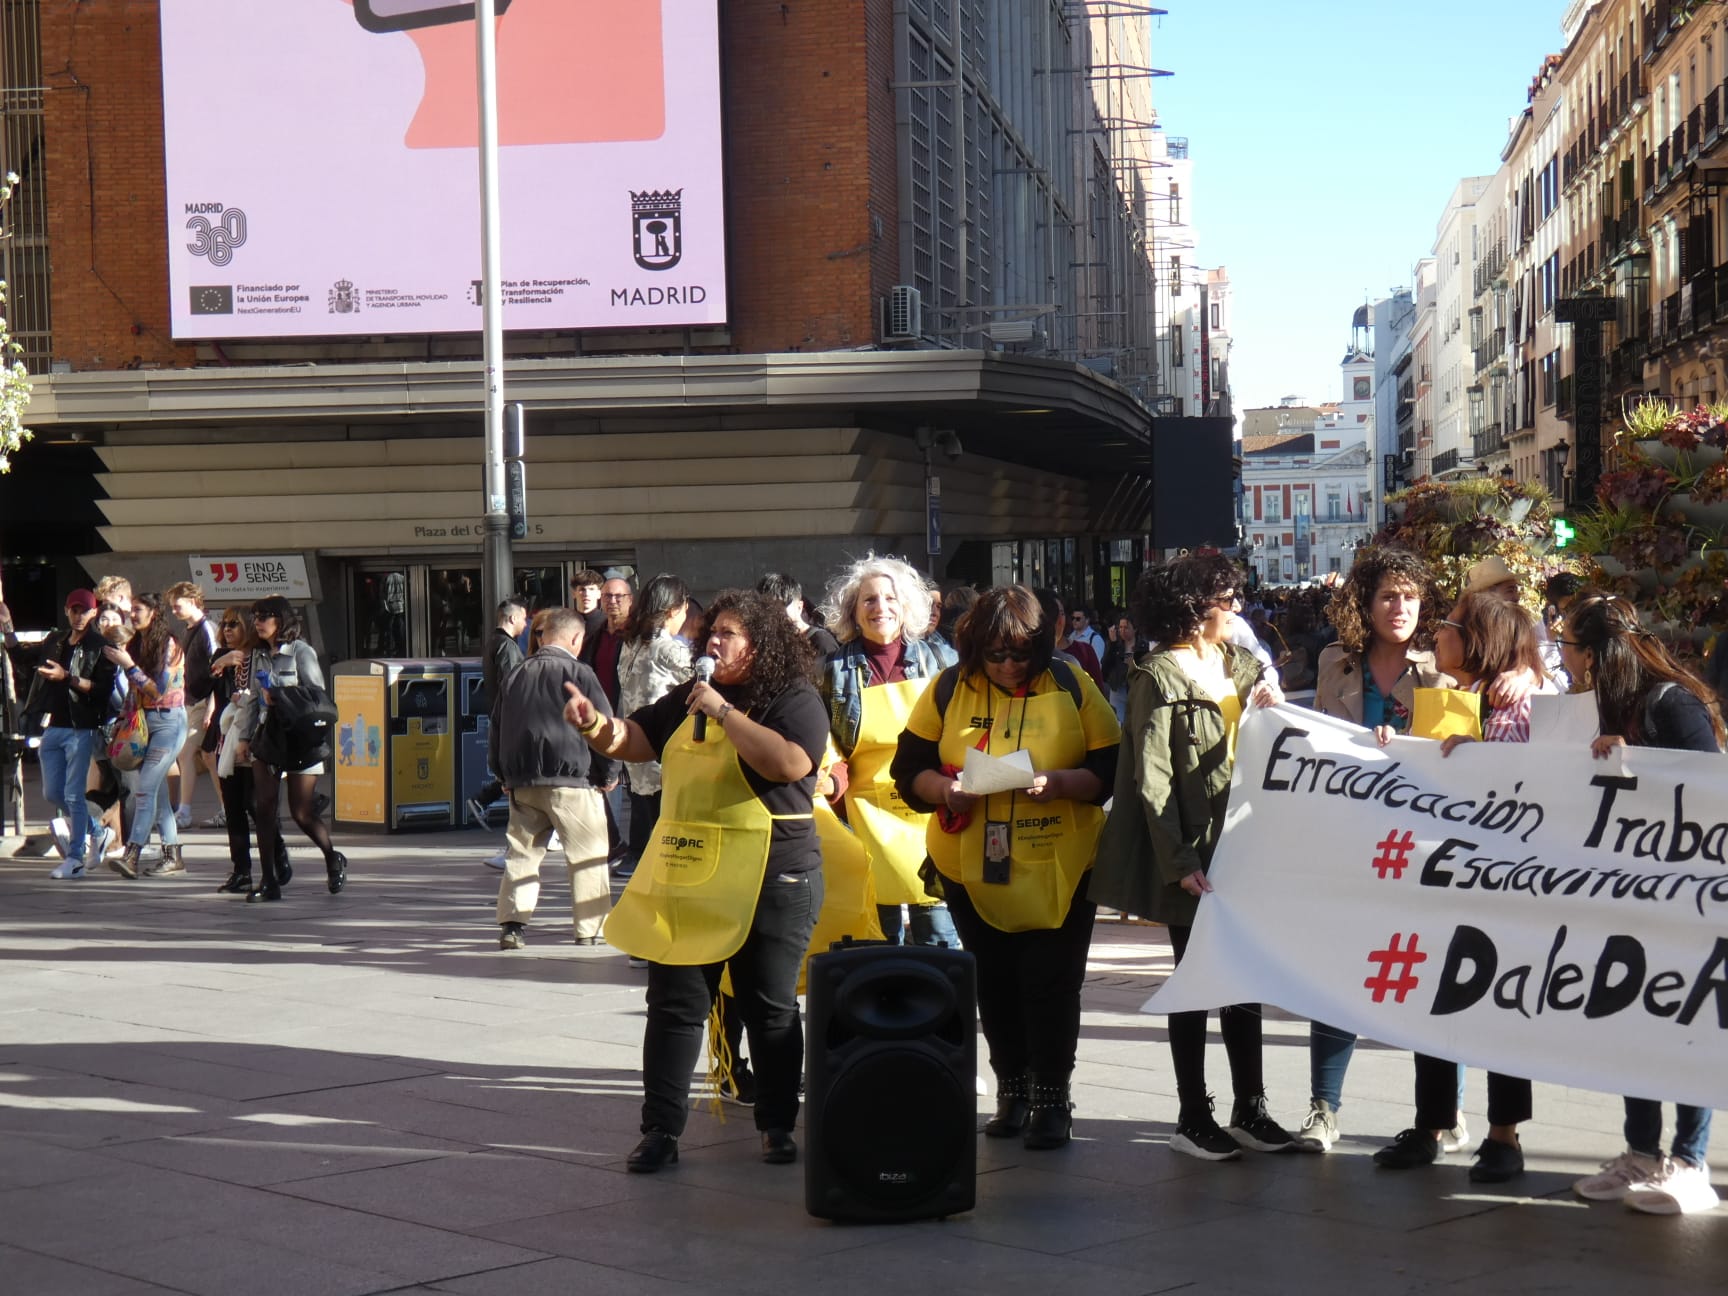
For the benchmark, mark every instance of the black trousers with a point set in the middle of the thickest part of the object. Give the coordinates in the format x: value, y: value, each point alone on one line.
x: 1239, y: 1024
x: 1509, y: 1099
x: 237, y: 810
x: 765, y: 989
x: 644, y: 814
x: 1028, y: 985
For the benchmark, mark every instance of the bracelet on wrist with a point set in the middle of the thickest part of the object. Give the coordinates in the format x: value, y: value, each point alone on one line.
x: 589, y: 730
x: 726, y: 709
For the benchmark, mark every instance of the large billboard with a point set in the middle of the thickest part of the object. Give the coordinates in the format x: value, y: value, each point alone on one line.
x: 323, y: 166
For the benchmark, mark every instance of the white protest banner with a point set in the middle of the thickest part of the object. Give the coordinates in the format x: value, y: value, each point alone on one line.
x: 1523, y: 907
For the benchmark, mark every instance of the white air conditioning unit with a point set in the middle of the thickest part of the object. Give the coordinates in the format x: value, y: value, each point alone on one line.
x: 903, y: 314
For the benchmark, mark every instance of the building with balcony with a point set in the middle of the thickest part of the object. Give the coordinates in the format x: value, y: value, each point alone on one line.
x: 1457, y: 247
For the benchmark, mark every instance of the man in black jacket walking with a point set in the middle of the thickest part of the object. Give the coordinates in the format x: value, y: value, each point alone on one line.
x: 503, y: 656
x: 555, y: 781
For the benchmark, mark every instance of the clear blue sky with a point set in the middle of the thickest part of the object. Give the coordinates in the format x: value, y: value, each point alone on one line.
x: 1326, y: 138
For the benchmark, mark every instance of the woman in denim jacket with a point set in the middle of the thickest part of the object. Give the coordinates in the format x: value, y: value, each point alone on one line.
x: 879, y: 609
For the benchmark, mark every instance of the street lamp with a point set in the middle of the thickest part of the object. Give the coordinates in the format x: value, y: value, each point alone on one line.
x: 1563, y: 452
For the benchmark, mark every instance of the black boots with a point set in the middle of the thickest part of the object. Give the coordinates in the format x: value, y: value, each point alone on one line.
x: 1049, y: 1115
x: 336, y: 871
x: 1011, y: 1108
x: 239, y: 882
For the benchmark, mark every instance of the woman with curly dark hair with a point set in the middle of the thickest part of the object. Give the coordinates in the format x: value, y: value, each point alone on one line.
x: 733, y: 875
x: 1172, y: 788
x: 1386, y: 613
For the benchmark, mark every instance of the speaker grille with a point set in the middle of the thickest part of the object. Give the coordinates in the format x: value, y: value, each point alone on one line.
x: 896, y: 1124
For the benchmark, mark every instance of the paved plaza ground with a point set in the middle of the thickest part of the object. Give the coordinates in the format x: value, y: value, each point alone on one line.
x: 362, y: 1094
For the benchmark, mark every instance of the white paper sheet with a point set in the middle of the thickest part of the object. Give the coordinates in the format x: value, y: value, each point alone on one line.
x: 983, y: 773
x: 1569, y: 718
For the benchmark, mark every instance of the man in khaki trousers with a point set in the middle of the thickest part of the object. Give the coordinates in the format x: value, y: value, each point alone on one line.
x: 554, y: 781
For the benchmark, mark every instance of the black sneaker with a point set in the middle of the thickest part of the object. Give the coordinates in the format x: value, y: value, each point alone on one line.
x: 479, y: 810
x: 740, y: 1086
x: 1198, y: 1135
x: 1496, y: 1162
x: 510, y: 936
x: 1253, y: 1128
x: 1410, y: 1149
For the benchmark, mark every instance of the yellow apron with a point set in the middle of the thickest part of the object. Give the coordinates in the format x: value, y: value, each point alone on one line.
x: 890, y: 829
x: 1051, y: 845
x: 693, y: 897
x: 848, y: 892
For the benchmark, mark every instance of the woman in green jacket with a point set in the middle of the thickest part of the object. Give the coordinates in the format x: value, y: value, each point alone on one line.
x: 1172, y: 787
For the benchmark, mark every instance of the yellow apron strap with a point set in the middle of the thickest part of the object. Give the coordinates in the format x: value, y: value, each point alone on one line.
x: 793, y: 816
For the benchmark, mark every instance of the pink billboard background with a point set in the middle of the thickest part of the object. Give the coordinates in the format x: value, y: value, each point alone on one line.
x: 323, y: 178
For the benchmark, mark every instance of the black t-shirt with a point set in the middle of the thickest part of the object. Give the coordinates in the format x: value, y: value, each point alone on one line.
x: 797, y: 715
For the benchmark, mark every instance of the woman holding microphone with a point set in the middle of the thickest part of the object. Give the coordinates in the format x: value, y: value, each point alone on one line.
x: 732, y: 877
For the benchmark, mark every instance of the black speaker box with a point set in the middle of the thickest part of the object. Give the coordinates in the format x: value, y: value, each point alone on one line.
x: 891, y: 1111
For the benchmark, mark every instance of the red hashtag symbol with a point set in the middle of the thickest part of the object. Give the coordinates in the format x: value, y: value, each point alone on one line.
x: 1406, y: 959
x: 1394, y: 854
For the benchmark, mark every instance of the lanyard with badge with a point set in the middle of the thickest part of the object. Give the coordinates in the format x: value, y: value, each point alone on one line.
x: 998, y: 833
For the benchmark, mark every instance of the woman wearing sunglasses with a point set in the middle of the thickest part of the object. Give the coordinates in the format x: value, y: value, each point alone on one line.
x: 1013, y: 863
x: 232, y: 672
x: 1483, y: 638
x: 1172, y: 787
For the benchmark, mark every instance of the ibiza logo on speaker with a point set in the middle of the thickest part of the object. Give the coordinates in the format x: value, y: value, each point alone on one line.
x: 894, y: 1176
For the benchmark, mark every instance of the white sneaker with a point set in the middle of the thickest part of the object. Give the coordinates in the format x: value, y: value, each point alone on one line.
x: 68, y: 869
x: 61, y: 832
x: 1629, y: 1172
x: 183, y: 816
x: 494, y: 861
x: 150, y: 855
x: 1455, y: 1138
x: 1319, y: 1127
x: 1679, y: 1188
x: 96, y: 845
x: 552, y: 842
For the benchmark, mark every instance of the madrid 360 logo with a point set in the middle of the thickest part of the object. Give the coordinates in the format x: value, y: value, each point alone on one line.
x: 215, y: 239
x: 657, y: 227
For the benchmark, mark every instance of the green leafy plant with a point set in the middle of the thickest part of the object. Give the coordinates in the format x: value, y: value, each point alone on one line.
x: 14, y: 379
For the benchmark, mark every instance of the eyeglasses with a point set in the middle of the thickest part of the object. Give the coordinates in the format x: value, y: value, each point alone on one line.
x: 996, y: 656
x: 1569, y: 643
x: 613, y: 598
x: 1226, y: 601
x: 1453, y: 624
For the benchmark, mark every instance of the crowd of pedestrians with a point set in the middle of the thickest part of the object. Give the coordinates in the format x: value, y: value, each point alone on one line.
x: 715, y: 759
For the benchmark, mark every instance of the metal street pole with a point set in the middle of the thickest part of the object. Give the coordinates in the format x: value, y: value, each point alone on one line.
x: 497, y: 577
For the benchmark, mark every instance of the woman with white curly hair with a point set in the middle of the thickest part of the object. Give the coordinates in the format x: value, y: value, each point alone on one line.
x: 879, y: 609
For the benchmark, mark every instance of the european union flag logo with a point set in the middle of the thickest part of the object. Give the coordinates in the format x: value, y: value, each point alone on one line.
x: 214, y: 299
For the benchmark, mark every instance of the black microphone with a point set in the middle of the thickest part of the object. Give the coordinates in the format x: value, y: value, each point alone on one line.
x: 704, y: 672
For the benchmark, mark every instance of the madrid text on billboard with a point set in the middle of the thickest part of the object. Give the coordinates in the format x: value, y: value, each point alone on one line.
x: 689, y: 295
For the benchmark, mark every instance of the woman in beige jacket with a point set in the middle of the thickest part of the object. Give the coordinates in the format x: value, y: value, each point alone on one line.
x: 1386, y: 613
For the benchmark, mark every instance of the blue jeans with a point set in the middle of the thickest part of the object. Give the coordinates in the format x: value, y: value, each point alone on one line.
x: 65, y: 759
x: 930, y: 925
x: 1644, y: 1130
x: 155, y: 806
x: 1329, y: 1054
